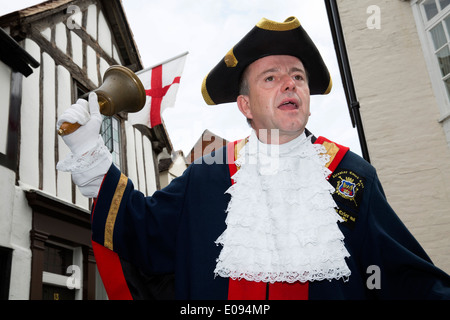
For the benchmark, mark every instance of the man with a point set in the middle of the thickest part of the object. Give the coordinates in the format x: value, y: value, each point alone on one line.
x: 279, y: 215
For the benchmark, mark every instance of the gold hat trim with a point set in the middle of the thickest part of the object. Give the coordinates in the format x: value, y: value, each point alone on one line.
x: 205, y: 93
x: 230, y: 59
x: 330, y: 85
x: 288, y: 24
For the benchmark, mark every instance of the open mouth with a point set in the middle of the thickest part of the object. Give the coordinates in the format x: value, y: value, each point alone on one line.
x: 288, y: 105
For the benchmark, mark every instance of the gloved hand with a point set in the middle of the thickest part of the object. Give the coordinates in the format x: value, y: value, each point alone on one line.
x: 90, y: 159
x: 88, y: 115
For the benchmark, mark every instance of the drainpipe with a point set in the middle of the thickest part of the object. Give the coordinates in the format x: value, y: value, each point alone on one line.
x: 344, y: 66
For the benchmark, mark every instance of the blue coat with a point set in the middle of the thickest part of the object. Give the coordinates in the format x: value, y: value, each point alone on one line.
x: 163, y: 246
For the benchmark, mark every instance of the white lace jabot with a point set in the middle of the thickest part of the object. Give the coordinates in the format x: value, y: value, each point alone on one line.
x: 281, y: 220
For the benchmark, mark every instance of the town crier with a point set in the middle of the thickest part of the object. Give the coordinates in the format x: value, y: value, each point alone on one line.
x: 280, y: 214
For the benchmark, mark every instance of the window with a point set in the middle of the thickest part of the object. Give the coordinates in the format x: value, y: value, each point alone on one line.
x: 433, y: 22
x: 439, y: 33
x: 111, y: 136
x: 57, y: 259
x: 61, y: 278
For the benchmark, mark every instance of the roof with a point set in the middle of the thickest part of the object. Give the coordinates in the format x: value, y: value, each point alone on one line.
x: 114, y: 12
x: 206, y: 139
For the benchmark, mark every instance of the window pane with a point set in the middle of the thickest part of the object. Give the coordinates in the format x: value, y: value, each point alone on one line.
x: 57, y: 259
x: 447, y: 86
x: 444, y: 60
x: 106, y: 132
x: 447, y: 23
x: 430, y: 8
x: 111, y: 136
x: 444, y: 3
x: 438, y: 36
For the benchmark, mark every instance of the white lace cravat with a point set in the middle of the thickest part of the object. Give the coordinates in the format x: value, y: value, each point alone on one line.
x: 88, y: 169
x: 281, y: 220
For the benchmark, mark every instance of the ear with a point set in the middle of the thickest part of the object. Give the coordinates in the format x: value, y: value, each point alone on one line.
x: 244, y: 106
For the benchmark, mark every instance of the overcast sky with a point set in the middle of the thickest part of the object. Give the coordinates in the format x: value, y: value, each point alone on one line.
x: 208, y: 30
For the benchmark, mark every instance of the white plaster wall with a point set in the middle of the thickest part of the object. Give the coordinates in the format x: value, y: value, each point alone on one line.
x: 64, y: 180
x: 81, y: 200
x: 7, y: 183
x: 130, y: 153
x: 47, y: 33
x: 150, y: 170
x: 116, y: 55
x: 103, y: 67
x: 92, y: 65
x: 91, y: 23
x: 29, y: 139
x: 20, y: 242
x: 61, y: 37
x: 77, y: 49
x: 5, y: 88
x: 140, y: 161
x: 104, y: 34
x: 178, y: 167
x: 49, y: 118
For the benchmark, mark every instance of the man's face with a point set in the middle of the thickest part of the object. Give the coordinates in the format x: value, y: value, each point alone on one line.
x: 278, y: 97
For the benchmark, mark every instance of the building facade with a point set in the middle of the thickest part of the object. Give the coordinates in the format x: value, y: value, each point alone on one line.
x: 400, y: 62
x: 45, y: 249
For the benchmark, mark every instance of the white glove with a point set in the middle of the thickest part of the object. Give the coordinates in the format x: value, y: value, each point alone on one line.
x: 90, y: 159
x: 88, y: 115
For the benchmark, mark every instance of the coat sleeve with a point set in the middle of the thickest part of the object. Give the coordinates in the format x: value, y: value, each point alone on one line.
x: 405, y: 270
x: 134, y: 236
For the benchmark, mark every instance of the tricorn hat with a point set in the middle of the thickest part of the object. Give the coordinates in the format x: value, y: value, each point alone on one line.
x: 267, y: 38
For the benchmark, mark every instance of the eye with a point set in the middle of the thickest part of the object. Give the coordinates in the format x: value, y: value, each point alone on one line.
x: 298, y: 77
x: 270, y: 79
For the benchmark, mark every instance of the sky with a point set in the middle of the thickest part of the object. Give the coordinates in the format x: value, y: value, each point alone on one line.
x: 208, y: 30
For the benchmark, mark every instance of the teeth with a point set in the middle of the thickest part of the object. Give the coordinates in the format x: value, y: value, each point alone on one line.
x: 289, y: 103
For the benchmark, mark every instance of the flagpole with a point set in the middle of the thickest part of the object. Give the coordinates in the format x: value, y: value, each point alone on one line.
x: 164, y: 62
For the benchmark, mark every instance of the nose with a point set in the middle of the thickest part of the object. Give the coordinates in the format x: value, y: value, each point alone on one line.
x: 288, y: 83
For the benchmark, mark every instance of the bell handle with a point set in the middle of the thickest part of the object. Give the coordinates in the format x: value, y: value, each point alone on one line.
x: 68, y: 128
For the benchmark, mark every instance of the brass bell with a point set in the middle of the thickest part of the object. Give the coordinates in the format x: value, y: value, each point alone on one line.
x: 122, y: 90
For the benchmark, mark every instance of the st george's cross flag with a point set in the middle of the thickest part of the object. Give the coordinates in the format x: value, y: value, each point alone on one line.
x: 161, y: 84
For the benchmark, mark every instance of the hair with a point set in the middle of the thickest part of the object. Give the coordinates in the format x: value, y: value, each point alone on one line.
x: 244, y: 88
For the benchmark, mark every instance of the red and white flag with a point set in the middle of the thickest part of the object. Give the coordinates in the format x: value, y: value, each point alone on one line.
x: 161, y: 85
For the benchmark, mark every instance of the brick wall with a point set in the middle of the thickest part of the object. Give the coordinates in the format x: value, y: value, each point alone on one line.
x: 400, y: 115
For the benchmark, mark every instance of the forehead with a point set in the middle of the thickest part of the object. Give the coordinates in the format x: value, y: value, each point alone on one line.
x: 275, y: 62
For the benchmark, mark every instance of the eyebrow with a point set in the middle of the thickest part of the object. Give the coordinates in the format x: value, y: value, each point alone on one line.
x: 293, y: 69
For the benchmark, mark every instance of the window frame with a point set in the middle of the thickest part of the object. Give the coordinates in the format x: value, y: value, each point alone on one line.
x: 59, y: 280
x: 437, y: 80
x: 119, y: 153
x: 60, y: 223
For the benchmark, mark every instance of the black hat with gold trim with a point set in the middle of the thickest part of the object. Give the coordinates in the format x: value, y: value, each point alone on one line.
x: 267, y: 38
